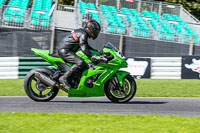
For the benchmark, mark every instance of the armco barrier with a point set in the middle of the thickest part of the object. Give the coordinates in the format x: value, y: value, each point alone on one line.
x: 18, y: 67
x: 9, y: 67
x: 166, y: 67
x: 28, y: 63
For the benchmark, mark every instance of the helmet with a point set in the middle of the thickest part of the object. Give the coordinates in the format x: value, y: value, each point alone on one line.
x: 93, y: 28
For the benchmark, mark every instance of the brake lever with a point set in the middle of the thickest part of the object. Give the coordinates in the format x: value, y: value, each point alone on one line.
x: 108, y: 56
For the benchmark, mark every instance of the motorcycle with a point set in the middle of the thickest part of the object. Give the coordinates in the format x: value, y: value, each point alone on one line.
x: 100, y: 78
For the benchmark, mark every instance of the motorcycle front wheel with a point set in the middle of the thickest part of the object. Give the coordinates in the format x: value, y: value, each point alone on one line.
x: 123, y: 94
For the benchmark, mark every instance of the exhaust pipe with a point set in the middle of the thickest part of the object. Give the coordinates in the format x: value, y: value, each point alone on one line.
x: 48, y: 81
x: 45, y: 79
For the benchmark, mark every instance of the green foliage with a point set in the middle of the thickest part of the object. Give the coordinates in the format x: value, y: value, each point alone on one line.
x: 66, y: 2
x: 15, y: 122
x: 193, y: 6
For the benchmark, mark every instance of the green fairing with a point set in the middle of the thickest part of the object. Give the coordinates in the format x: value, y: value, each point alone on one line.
x: 121, y: 75
x: 106, y: 72
x: 45, y: 55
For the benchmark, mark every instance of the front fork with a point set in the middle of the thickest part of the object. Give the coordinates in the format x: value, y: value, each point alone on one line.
x: 120, y: 76
x: 116, y: 84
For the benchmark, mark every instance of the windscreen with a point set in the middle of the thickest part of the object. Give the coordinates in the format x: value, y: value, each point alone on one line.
x: 110, y: 46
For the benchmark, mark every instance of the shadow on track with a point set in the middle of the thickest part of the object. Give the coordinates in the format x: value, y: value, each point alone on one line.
x: 108, y: 102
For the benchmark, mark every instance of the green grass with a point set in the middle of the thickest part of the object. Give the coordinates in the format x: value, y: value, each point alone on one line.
x: 14, y: 122
x: 145, y: 88
x: 168, y: 88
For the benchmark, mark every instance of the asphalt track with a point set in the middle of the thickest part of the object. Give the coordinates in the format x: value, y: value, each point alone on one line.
x: 140, y: 105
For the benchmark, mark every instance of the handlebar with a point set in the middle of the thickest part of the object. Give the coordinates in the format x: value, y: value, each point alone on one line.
x: 104, y: 58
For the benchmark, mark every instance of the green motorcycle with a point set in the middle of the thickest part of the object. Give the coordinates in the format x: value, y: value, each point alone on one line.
x: 100, y: 78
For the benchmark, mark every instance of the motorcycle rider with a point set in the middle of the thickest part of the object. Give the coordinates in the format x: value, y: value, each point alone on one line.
x: 70, y: 45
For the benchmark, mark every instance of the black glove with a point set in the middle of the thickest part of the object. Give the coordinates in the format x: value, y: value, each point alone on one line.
x: 99, y: 58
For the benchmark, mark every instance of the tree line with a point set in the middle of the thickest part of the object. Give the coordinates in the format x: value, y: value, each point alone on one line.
x: 192, y: 6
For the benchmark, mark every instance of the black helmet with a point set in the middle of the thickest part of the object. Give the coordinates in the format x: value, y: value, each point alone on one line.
x: 93, y: 28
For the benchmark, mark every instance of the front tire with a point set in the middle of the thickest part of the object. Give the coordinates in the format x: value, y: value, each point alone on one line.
x: 121, y: 96
x: 35, y: 89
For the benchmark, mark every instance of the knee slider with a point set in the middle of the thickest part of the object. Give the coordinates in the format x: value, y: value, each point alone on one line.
x: 61, y: 52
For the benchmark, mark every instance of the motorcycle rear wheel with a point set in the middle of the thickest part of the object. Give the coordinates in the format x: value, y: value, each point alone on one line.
x: 36, y: 90
x: 123, y: 95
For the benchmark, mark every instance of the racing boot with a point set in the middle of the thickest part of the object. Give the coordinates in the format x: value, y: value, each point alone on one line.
x: 64, y: 80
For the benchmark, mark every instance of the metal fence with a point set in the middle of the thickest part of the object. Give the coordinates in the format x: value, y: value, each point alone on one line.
x: 66, y: 8
x: 153, y: 6
x: 153, y: 32
x: 187, y: 17
x: 25, y: 18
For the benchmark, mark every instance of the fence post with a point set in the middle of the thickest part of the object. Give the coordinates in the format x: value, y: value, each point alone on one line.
x: 191, y: 46
x: 160, y: 9
x: 53, y: 28
x: 118, y: 3
x: 1, y: 15
x: 97, y: 3
x: 121, y: 43
x: 52, y: 41
x: 139, y: 6
x: 75, y: 3
x: 27, y: 20
x: 152, y: 4
x: 181, y: 12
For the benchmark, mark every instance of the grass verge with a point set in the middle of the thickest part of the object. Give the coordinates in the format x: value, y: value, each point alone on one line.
x: 145, y: 88
x: 15, y: 122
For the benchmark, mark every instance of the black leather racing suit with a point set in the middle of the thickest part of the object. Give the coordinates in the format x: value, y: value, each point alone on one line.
x: 70, y: 45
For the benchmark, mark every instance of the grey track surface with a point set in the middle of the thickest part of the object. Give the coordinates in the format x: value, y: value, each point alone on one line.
x: 166, y: 106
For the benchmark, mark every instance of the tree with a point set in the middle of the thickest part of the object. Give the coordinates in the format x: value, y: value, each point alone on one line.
x: 192, y: 6
x: 66, y: 2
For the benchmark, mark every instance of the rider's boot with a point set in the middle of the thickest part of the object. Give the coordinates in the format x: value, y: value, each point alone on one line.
x: 64, y: 79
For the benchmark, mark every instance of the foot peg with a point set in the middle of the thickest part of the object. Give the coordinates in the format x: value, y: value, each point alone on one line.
x: 64, y: 82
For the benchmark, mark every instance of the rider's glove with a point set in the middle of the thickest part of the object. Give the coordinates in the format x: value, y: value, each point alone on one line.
x: 98, y: 58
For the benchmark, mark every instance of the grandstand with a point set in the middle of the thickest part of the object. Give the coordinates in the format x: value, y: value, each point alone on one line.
x: 14, y: 14
x: 1, y: 2
x: 38, y: 17
x: 21, y: 14
x: 148, y: 28
x: 139, y: 19
x: 166, y: 26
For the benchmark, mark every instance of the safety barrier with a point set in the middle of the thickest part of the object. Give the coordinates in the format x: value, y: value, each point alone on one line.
x: 28, y: 63
x: 9, y: 67
x: 18, y: 67
x: 166, y: 68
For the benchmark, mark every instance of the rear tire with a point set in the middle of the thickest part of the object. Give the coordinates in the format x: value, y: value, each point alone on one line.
x: 32, y: 86
x: 117, y: 96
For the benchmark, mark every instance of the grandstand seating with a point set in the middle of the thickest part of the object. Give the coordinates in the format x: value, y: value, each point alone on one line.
x: 1, y: 2
x: 160, y: 26
x: 168, y: 27
x: 39, y: 15
x: 181, y: 28
x: 114, y: 21
x: 15, y: 14
x: 94, y: 13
